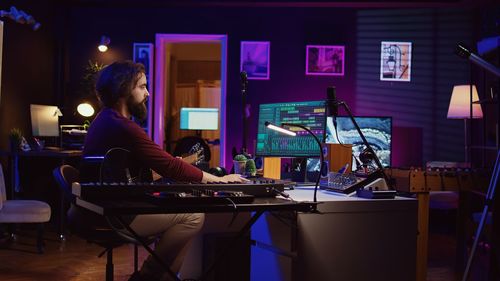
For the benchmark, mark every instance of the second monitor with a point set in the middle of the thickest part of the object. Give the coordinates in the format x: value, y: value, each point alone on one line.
x: 377, y: 131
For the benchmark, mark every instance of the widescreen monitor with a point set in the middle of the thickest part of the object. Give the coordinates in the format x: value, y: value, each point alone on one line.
x: 377, y: 131
x: 45, y: 120
x: 310, y: 114
x: 196, y: 118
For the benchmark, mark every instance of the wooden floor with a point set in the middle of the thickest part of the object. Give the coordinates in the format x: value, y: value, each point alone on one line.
x: 72, y: 260
x: 76, y: 260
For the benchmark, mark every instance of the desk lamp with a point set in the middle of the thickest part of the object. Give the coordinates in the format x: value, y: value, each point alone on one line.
x: 293, y: 134
x: 460, y: 108
x: 86, y: 110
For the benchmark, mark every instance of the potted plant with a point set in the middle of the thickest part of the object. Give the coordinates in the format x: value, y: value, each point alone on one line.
x: 15, y: 139
x: 239, y: 163
x: 250, y: 168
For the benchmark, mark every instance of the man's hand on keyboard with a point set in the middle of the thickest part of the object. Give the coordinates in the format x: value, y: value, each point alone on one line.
x: 233, y: 178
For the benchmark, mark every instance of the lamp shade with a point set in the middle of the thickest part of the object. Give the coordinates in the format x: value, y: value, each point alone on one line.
x: 460, y: 103
x: 103, y: 44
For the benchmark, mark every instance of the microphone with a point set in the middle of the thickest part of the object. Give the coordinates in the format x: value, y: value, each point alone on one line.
x: 244, y: 81
x: 465, y: 53
x: 332, y: 105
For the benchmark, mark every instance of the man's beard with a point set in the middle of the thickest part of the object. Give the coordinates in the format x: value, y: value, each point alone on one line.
x: 137, y: 109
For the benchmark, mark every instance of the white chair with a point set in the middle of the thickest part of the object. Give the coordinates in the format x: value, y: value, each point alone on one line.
x: 23, y: 211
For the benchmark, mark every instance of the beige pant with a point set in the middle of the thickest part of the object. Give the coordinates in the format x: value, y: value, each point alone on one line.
x: 175, y: 231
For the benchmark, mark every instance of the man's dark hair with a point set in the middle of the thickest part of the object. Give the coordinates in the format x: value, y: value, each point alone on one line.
x: 117, y: 80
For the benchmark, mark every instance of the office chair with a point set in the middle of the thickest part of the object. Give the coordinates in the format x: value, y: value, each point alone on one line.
x: 99, y: 233
x: 23, y: 211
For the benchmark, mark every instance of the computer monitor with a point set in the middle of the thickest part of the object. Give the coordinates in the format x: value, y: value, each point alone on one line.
x: 44, y: 120
x: 310, y: 114
x: 377, y: 131
x: 195, y: 118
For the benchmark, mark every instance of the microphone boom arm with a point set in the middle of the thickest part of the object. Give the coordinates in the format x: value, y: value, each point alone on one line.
x: 321, y: 158
x: 365, y: 142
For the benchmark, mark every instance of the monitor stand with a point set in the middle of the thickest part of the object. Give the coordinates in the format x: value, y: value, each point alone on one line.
x: 298, y: 173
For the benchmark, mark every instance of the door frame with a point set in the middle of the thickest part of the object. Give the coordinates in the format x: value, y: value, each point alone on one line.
x: 161, y: 83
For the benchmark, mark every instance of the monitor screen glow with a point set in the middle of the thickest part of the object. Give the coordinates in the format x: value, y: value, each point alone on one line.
x: 194, y: 118
x: 377, y: 131
x: 45, y: 120
x: 310, y: 114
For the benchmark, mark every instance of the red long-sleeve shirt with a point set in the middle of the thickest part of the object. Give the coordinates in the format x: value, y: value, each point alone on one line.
x: 109, y: 129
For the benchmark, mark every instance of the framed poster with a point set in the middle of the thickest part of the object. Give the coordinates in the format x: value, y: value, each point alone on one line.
x: 395, y: 61
x: 144, y: 53
x: 325, y: 60
x: 1, y: 44
x: 254, y: 59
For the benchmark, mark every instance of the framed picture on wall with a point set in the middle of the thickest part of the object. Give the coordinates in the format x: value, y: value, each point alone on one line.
x: 144, y: 53
x: 325, y: 60
x: 395, y: 61
x: 254, y: 59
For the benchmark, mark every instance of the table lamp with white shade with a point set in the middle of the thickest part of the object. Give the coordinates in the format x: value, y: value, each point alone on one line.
x: 460, y: 108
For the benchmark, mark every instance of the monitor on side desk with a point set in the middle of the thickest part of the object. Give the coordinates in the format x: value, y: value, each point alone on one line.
x: 45, y: 120
x: 44, y: 125
x: 196, y: 118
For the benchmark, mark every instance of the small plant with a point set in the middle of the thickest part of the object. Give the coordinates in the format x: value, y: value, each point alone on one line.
x: 250, y: 168
x: 89, y: 77
x: 15, y: 135
x: 240, y: 157
x: 15, y: 138
x: 239, y: 164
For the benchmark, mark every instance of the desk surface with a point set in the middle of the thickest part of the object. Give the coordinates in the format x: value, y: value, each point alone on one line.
x: 54, y: 153
x: 302, y: 201
x: 304, y: 193
x: 128, y: 207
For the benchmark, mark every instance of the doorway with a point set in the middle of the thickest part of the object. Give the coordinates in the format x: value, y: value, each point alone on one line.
x: 190, y: 73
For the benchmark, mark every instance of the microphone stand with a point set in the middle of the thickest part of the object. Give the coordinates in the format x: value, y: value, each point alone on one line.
x: 365, y: 142
x: 244, y: 83
x: 490, y: 195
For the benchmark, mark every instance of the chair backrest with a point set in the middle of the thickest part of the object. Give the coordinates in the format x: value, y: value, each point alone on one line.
x: 3, y: 193
x: 118, y: 165
x: 65, y: 175
x: 115, y: 166
x: 87, y: 224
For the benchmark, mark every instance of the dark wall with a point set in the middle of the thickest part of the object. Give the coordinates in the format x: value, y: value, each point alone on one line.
x: 46, y: 66
x: 288, y: 29
x: 27, y: 68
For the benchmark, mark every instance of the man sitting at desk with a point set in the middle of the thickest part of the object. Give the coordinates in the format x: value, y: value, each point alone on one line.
x: 121, y: 88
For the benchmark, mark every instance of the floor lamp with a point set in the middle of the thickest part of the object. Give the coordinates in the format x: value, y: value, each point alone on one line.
x: 460, y: 108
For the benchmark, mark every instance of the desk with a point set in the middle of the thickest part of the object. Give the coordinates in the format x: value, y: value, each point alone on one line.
x: 60, y: 154
x: 115, y: 209
x: 349, y: 239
